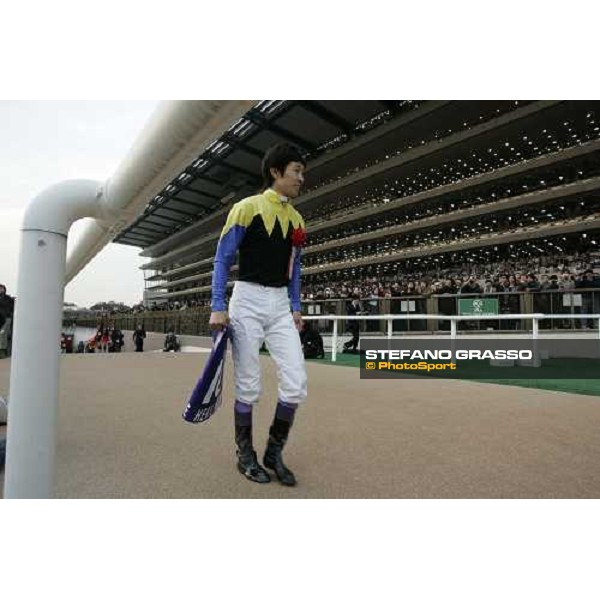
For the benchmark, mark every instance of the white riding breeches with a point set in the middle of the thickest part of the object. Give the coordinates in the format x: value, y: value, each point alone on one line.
x: 262, y: 314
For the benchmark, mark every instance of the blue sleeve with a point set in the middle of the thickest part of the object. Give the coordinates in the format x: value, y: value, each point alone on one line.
x: 294, y: 285
x: 224, y: 258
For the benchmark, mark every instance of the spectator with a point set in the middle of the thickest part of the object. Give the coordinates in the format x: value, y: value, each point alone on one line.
x: 470, y: 287
x: 3, y: 419
x: 104, y: 340
x: 7, y: 307
x: 138, y: 338
x: 503, y: 285
x: 353, y: 308
x: 552, y: 283
x: 117, y: 339
x: 590, y: 301
x: 532, y: 283
x: 566, y: 282
x: 171, y: 342
x: 312, y: 342
x: 522, y: 284
x: 489, y: 287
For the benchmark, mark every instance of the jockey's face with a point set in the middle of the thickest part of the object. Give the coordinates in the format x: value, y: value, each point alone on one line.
x: 290, y: 181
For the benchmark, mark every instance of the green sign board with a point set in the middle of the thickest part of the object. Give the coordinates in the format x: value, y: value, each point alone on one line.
x: 477, y: 306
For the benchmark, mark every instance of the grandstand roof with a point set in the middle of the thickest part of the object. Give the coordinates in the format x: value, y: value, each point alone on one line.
x: 229, y: 168
x: 403, y: 182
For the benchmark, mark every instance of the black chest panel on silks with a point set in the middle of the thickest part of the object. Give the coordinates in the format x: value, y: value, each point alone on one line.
x: 264, y: 258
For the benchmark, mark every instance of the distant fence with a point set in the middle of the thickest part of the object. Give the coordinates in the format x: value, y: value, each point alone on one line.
x: 427, y: 313
x: 455, y: 321
x: 182, y: 322
x: 435, y: 307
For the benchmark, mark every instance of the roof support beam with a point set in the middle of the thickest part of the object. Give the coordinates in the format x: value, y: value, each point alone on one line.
x: 187, y: 202
x: 167, y: 217
x: 174, y: 210
x: 222, y: 161
x: 161, y: 231
x: 392, y: 106
x: 200, y: 175
x: 191, y: 190
x: 259, y: 120
x: 230, y: 139
x: 145, y: 239
x: 327, y: 115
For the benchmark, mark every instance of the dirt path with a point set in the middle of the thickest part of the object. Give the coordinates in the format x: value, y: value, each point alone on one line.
x: 121, y: 436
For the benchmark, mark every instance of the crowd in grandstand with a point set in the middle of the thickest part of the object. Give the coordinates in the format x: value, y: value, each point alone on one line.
x: 518, y: 220
x: 465, y: 217
x: 440, y: 237
x: 548, y: 273
x: 151, y: 306
x: 423, y: 138
x: 462, y: 203
x: 464, y: 212
x: 533, y: 275
x: 474, y: 162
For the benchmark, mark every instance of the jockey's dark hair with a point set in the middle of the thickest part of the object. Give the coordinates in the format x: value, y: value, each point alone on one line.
x: 279, y: 157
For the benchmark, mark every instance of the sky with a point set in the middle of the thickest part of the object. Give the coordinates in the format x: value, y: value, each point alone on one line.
x: 44, y: 142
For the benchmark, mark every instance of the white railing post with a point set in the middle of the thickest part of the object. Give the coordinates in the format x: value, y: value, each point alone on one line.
x: 334, y: 340
x: 167, y: 145
x: 34, y: 373
x: 536, y: 334
x: 390, y: 329
x: 453, y: 335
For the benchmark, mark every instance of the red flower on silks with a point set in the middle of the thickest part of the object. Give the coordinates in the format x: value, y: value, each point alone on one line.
x: 298, y: 241
x: 299, y: 237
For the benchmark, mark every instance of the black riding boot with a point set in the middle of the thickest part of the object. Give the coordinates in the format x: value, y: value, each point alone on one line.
x: 278, y: 434
x: 248, y: 464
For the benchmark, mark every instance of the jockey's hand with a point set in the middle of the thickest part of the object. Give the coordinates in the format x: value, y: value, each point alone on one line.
x: 297, y: 320
x: 218, y: 320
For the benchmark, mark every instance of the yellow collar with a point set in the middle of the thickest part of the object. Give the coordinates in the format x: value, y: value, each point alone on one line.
x: 273, y: 196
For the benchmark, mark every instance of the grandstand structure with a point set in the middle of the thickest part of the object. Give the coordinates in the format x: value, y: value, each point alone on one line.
x: 391, y: 187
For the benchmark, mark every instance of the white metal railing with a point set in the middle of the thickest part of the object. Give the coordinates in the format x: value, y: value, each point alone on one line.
x: 535, y: 319
x: 169, y: 142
